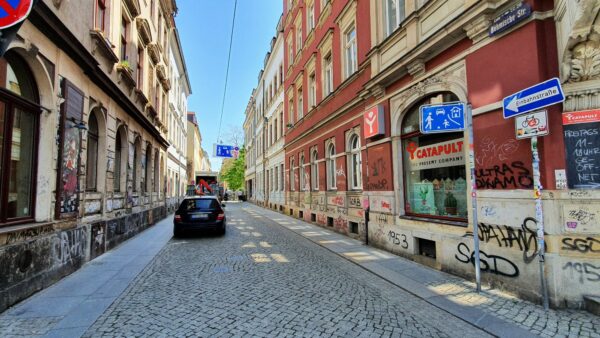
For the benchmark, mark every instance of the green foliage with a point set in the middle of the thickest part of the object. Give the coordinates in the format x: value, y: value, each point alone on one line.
x: 233, y: 171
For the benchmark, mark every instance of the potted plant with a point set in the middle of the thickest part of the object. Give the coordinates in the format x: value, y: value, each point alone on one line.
x: 450, y: 204
x: 290, y: 125
x: 124, y: 64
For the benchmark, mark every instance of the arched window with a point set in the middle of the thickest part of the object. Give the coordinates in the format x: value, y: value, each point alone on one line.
x: 156, y: 172
x: 435, y: 188
x: 292, y: 176
x: 136, y: 164
x: 91, y: 166
x: 302, y: 180
x: 331, y: 179
x: 19, y: 116
x: 314, y: 170
x: 355, y: 174
x: 120, y: 165
x: 148, y: 169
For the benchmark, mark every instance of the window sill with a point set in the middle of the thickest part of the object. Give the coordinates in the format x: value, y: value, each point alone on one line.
x: 30, y: 226
x: 435, y: 220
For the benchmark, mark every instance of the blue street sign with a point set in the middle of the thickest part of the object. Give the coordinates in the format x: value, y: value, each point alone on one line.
x: 533, y: 98
x: 222, y: 150
x: 442, y: 118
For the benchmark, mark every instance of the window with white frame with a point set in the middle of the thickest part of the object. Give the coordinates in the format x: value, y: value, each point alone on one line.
x: 314, y: 170
x: 331, y: 179
x: 355, y: 174
x: 327, y: 75
x: 281, y: 173
x: 350, y: 52
x: 300, y: 104
x: 312, y: 91
x: 290, y: 52
x: 292, y: 176
x: 291, y: 111
x: 394, y: 14
x: 302, y: 180
x: 310, y: 24
x: 276, y: 179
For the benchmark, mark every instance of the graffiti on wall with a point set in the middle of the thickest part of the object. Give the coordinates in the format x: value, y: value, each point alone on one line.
x: 582, y: 245
x: 581, y: 217
x: 340, y: 224
x: 489, y: 263
x: 70, y: 246
x: 322, y: 219
x: 27, y: 234
x: 523, y: 238
x: 583, y: 272
x: 513, y: 175
x: 398, y: 239
x: 490, y: 151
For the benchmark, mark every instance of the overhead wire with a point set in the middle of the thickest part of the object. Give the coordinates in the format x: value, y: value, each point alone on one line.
x: 227, y: 71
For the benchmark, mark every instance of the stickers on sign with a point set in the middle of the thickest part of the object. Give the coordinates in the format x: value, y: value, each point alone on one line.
x: 532, y: 124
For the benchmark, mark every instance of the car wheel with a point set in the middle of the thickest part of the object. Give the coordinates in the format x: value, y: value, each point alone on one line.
x: 177, y: 233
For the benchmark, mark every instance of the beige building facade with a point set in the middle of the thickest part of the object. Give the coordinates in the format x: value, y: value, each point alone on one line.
x: 86, y: 85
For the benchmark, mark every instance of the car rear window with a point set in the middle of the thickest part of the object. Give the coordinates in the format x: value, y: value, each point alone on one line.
x: 196, y: 204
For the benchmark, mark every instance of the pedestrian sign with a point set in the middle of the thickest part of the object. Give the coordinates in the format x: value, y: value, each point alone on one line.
x: 222, y: 150
x: 442, y: 118
x: 533, y: 98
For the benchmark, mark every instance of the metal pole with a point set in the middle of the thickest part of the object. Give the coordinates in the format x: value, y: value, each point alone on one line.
x: 474, y: 198
x: 539, y: 215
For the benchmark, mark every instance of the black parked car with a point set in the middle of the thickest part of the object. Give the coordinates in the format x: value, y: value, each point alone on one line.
x: 199, y: 213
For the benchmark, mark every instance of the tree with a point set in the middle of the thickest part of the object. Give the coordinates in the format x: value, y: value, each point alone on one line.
x: 233, y: 172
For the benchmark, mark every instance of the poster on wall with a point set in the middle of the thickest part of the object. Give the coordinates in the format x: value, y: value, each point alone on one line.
x: 68, y: 186
x: 581, y: 132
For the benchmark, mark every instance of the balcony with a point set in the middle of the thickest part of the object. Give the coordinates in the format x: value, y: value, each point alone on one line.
x: 154, y: 52
x: 126, y: 73
x: 102, y: 44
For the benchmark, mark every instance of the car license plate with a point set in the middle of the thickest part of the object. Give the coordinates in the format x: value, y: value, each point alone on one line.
x: 199, y: 216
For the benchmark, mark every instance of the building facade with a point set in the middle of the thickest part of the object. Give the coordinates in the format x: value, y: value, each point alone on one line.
x: 180, y: 90
x: 196, y: 156
x: 357, y: 74
x: 84, y: 136
x: 250, y: 144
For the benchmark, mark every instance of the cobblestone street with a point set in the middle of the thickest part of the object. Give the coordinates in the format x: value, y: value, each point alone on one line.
x: 263, y: 280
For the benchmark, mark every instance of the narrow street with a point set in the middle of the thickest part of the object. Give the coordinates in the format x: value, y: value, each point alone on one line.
x: 259, y: 280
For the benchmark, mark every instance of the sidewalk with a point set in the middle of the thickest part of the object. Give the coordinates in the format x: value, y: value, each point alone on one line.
x: 69, y: 307
x: 491, y: 310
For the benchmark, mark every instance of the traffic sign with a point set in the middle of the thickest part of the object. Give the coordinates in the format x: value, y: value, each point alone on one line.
x: 533, y: 98
x: 442, y: 118
x: 14, y: 11
x: 222, y: 150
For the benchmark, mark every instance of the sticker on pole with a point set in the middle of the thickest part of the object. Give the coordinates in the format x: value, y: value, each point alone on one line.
x: 442, y: 118
x: 532, y: 124
x: 14, y: 11
x: 533, y: 98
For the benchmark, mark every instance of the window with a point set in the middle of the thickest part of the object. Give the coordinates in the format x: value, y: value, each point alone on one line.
x: 101, y: 15
x: 310, y: 25
x: 437, y: 187
x: 350, y: 51
x: 355, y: 163
x: 124, y: 35
x: 281, y: 121
x: 140, y: 67
x: 282, y: 183
x: 92, y: 153
x: 314, y: 170
x: 300, y: 104
x: 323, y: 4
x: 299, y: 38
x: 292, y: 176
x: 302, y: 178
x: 327, y: 75
x: 19, y: 116
x: 136, y: 160
x: 276, y: 179
x: 148, y: 169
x: 394, y: 14
x: 312, y: 91
x: 290, y: 53
x: 331, y: 177
x: 291, y: 111
x: 120, y: 166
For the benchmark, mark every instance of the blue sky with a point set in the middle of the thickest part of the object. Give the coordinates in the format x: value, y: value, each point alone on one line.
x: 204, y: 28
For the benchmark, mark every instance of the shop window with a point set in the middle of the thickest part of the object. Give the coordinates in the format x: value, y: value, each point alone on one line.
x: 19, y: 116
x: 434, y: 168
x: 302, y: 178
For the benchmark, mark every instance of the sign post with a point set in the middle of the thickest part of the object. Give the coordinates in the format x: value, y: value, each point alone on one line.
x: 450, y: 117
x: 533, y: 98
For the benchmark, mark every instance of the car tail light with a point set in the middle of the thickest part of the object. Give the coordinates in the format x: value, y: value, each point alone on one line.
x: 177, y: 218
x: 221, y: 217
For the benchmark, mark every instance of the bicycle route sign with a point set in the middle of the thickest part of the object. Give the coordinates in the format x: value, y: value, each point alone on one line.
x: 14, y: 11
x: 532, y: 124
x: 442, y: 118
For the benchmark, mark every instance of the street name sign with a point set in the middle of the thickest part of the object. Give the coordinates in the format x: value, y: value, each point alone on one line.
x: 510, y: 18
x: 533, y: 98
x: 442, y: 118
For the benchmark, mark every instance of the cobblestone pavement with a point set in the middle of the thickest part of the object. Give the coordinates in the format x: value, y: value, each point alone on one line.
x: 532, y: 317
x: 263, y: 280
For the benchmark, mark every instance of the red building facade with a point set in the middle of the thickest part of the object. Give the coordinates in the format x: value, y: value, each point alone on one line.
x: 357, y: 146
